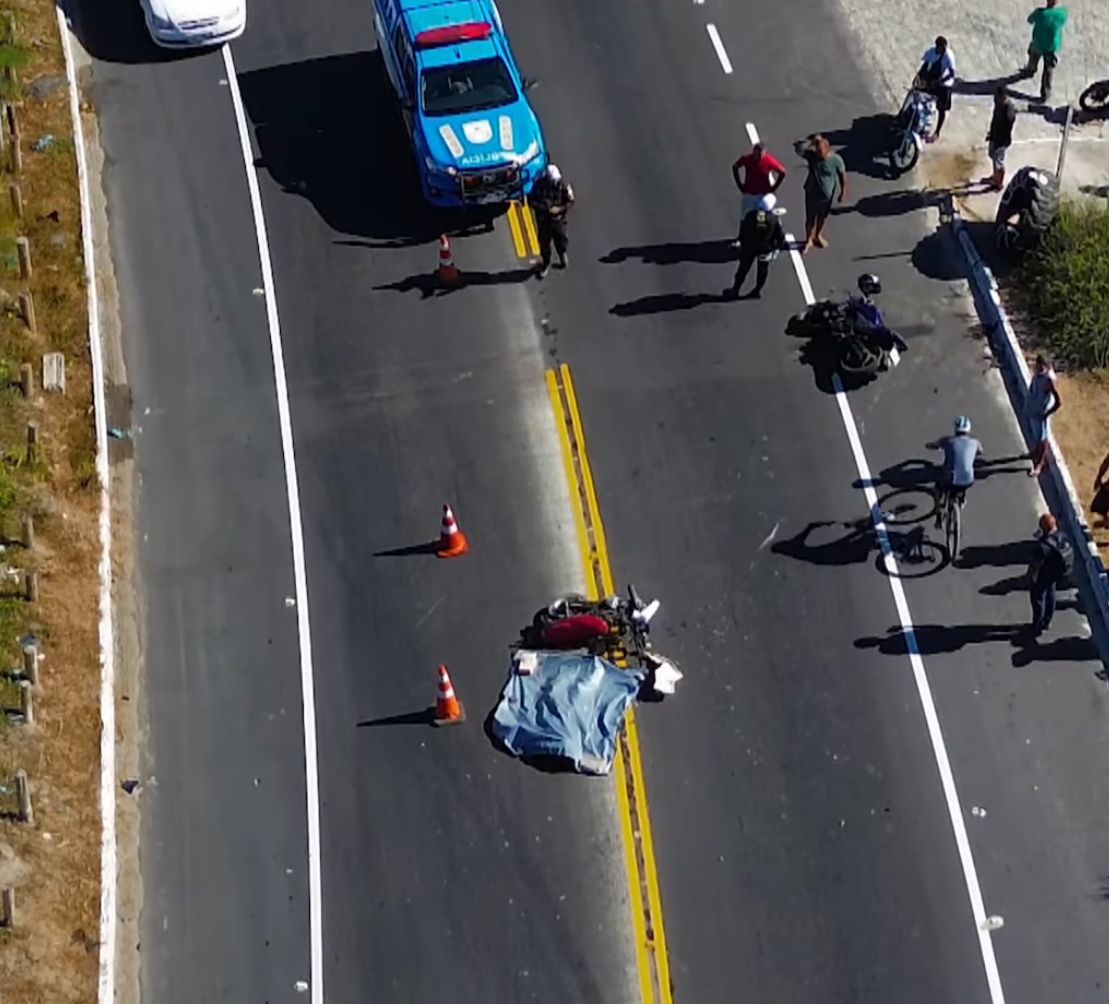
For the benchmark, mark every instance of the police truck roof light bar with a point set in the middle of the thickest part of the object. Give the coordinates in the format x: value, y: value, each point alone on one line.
x: 475, y: 31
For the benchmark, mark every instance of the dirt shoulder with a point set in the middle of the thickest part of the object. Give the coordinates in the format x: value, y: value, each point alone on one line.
x: 50, y: 953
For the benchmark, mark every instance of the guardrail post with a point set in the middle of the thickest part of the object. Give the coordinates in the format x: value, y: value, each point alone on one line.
x: 23, y: 246
x: 31, y: 664
x: 27, y: 702
x: 23, y: 795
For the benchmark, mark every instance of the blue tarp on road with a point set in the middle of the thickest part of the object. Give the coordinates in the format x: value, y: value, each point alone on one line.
x: 569, y: 705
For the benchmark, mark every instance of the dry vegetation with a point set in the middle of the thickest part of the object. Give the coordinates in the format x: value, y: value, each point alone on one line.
x: 51, y: 953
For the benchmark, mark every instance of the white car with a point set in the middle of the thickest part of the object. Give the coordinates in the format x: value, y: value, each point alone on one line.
x: 182, y: 24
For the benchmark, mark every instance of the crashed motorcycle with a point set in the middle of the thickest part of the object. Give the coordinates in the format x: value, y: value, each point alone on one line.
x: 853, y: 330
x: 615, y: 628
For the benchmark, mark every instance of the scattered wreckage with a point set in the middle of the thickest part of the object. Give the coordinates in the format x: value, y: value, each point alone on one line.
x: 577, y: 669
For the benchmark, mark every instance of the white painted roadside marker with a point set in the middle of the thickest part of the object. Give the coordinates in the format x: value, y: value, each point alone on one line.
x: 109, y: 864
x: 984, y: 923
x: 718, y: 45
x: 300, y: 577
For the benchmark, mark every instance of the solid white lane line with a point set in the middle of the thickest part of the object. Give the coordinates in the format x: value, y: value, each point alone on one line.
x: 718, y: 45
x: 924, y: 688
x: 109, y: 864
x: 300, y: 578
x: 752, y: 133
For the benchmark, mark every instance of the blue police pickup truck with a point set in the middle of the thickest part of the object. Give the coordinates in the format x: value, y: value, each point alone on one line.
x: 474, y: 135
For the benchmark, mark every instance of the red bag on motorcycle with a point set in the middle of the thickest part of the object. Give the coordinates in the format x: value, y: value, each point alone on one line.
x: 574, y: 632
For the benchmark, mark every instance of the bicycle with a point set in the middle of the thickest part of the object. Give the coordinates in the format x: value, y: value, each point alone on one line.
x: 954, y: 499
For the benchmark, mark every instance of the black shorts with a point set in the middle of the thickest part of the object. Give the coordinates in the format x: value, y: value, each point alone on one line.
x: 943, y: 98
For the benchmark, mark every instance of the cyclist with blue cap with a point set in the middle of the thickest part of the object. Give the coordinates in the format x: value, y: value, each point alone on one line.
x: 961, y: 452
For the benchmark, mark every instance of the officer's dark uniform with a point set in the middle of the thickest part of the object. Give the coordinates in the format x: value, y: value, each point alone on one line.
x: 760, y: 237
x: 551, y: 201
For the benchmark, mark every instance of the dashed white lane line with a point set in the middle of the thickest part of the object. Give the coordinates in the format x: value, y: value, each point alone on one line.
x: 718, y: 45
x: 300, y: 578
x: 982, y: 921
x: 752, y: 133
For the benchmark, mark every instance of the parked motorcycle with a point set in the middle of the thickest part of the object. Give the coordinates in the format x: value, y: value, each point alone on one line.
x: 1095, y: 98
x: 854, y: 330
x: 915, y: 125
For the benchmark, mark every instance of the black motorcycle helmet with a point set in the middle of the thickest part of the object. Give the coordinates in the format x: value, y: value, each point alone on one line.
x: 869, y: 284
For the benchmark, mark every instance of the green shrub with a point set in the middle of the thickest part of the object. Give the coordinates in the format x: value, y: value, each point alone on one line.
x: 1066, y: 281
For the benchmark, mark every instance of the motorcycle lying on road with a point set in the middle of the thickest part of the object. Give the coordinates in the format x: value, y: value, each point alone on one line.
x: 614, y: 628
x: 852, y: 331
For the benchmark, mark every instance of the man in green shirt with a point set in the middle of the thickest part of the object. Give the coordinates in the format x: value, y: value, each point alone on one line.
x: 825, y: 184
x: 1047, y: 39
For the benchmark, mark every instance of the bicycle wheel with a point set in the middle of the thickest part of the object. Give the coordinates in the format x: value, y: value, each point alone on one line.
x: 954, y: 526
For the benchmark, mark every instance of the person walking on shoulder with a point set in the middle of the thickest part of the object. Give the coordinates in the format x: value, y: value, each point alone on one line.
x: 1042, y: 402
x: 1052, y: 562
x: 825, y: 184
x: 937, y: 77
x: 1047, y: 39
x: 1000, y: 136
x: 756, y: 174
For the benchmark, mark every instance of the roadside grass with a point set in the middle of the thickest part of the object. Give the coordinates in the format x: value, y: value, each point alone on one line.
x: 1061, y: 290
x: 1065, y: 285
x: 51, y: 954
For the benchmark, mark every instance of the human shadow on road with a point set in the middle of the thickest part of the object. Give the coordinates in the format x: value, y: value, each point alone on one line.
x: 711, y: 252
x: 917, y: 556
x: 664, y: 303
x: 114, y: 31
x: 428, y: 284
x: 329, y: 130
x: 1018, y: 552
x: 908, y: 200
x: 943, y: 639
x: 1068, y: 649
x: 1019, y: 584
x: 986, y: 86
x: 864, y: 145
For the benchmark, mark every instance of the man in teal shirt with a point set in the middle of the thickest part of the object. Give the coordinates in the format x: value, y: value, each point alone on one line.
x: 1047, y: 39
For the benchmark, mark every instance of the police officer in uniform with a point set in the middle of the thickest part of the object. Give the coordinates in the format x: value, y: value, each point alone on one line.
x: 760, y: 239
x: 551, y: 198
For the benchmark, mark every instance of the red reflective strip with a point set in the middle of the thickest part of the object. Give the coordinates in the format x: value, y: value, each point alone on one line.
x: 473, y: 32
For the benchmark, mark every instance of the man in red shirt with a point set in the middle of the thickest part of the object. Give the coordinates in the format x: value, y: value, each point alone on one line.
x: 756, y: 174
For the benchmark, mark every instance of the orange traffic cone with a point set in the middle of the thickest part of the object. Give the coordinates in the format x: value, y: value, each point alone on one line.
x: 448, y: 274
x: 448, y: 708
x: 452, y: 541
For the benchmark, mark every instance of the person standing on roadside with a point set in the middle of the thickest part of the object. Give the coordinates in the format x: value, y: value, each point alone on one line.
x: 1052, y: 562
x: 756, y: 174
x: 1047, y: 39
x: 1100, y: 503
x: 937, y: 77
x: 1042, y: 402
x: 825, y: 184
x: 1000, y: 136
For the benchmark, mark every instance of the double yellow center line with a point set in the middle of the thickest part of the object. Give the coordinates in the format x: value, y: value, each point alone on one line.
x: 521, y: 221
x: 646, y: 903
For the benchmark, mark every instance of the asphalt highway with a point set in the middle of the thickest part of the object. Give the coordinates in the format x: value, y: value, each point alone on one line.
x: 804, y: 842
